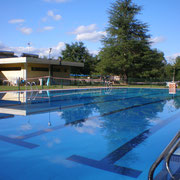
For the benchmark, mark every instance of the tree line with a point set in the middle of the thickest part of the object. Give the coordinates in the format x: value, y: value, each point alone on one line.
x: 126, y: 50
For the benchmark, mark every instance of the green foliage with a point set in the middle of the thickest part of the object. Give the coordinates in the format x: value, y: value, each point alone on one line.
x: 126, y: 50
x: 77, y: 52
x: 177, y: 68
x: 168, y: 72
x: 171, y: 70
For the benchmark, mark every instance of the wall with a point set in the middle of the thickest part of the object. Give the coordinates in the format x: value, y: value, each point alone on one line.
x: 56, y: 71
x: 36, y: 74
x: 2, y: 75
x: 12, y: 75
x: 61, y: 71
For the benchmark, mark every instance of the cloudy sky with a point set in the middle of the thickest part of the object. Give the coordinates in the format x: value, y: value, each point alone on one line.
x: 48, y: 24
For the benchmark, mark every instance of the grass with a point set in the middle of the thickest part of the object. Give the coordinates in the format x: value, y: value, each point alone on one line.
x: 15, y: 88
x: 22, y: 88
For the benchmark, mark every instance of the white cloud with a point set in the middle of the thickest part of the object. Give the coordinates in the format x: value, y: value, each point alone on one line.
x: 171, y: 59
x: 50, y: 13
x: 88, y: 33
x: 157, y: 40
x: 56, y: 159
x: 56, y: 1
x: 89, y: 127
x: 56, y: 17
x: 94, y: 52
x: 26, y: 127
x: 56, y: 50
x: 26, y: 30
x: 3, y: 46
x: 48, y: 28
x: 53, y: 142
x: 44, y: 19
x: 92, y: 36
x: 16, y: 21
x: 85, y: 29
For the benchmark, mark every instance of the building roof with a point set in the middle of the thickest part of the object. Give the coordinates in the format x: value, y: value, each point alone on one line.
x: 7, y: 54
x: 23, y: 60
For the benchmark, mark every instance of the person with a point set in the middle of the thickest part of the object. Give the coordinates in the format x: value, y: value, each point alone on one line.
x: 22, y: 81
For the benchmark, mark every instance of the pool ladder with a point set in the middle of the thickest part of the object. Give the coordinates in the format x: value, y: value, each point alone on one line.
x: 108, y: 84
x: 166, y: 154
x: 33, y: 93
x: 31, y: 84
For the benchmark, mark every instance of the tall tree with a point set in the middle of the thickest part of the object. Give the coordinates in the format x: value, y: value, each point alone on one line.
x: 177, y: 68
x: 168, y: 72
x: 126, y: 50
x: 77, y: 52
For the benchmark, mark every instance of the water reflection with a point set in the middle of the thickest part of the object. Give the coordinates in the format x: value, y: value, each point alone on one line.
x: 87, y: 112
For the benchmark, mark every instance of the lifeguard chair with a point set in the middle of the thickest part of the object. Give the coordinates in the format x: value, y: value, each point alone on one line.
x: 172, y: 88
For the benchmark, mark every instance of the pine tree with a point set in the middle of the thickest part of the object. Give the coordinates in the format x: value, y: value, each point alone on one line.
x: 126, y: 50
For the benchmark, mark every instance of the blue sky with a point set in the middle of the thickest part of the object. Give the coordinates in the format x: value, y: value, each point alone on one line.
x: 52, y: 23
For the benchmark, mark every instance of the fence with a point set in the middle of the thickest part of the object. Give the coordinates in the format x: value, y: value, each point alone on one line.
x: 47, y: 82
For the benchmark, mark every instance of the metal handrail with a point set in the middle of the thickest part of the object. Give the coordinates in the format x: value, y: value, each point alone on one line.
x: 34, y: 84
x: 163, y: 155
x: 108, y: 84
x: 31, y: 84
x: 169, y: 157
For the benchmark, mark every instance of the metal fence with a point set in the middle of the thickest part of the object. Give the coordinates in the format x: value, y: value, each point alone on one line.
x: 48, y: 82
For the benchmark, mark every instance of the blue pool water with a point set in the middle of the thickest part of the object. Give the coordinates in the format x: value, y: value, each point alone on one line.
x: 96, y: 134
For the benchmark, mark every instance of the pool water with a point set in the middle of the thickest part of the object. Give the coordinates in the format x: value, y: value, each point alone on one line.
x: 85, y: 134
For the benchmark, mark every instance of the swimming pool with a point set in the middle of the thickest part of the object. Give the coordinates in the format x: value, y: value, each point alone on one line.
x: 85, y: 134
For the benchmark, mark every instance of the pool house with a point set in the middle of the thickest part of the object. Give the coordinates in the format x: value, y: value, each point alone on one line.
x: 30, y: 66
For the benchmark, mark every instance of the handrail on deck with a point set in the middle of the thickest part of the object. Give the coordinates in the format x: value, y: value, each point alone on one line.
x: 168, y: 151
x: 31, y: 84
x: 169, y: 157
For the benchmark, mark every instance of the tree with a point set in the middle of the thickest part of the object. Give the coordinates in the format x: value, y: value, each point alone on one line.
x: 126, y: 50
x: 177, y: 68
x: 77, y: 52
x: 168, y: 72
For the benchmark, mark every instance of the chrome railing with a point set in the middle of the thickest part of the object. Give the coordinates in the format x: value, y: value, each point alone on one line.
x: 31, y: 84
x: 176, y: 146
x: 34, y: 91
x: 166, y: 154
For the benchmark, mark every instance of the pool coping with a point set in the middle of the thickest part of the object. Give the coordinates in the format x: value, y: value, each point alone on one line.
x: 85, y: 89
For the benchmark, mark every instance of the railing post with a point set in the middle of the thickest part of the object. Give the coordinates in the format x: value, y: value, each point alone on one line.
x: 42, y: 84
x: 18, y: 84
x: 78, y: 83
x: 62, y: 83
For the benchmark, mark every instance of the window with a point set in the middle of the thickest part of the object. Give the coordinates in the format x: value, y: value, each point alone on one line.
x: 56, y: 70
x: 39, y: 69
x: 10, y: 69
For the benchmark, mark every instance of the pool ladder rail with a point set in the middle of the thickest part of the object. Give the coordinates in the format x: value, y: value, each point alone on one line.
x: 31, y: 84
x: 34, y: 92
x: 166, y: 154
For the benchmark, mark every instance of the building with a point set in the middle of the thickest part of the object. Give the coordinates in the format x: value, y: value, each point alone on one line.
x: 30, y: 66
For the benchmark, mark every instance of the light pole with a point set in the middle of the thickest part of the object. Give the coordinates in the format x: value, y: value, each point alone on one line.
x: 50, y: 49
x: 174, y: 74
x: 29, y: 44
